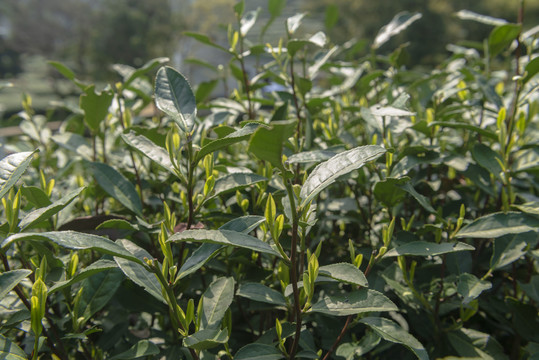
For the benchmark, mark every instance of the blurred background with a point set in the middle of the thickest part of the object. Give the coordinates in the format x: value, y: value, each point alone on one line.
x: 90, y: 35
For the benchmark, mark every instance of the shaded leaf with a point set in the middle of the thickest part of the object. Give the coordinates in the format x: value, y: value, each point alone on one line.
x: 204, y: 39
x: 92, y: 269
x: 470, y: 287
x: 10, y: 351
x: 510, y: 248
x: 10, y: 279
x: 74, y: 142
x: 532, y: 288
x: 97, y: 291
x: 424, y: 248
x: 458, y: 125
x: 488, y: 159
x: 11, y: 169
x: 174, y: 96
x: 206, y: 339
x: 216, y: 300
x: 117, y: 186
x: 388, y: 193
x: 267, y: 144
x: 140, y: 349
x: 262, y: 293
x: 35, y: 195
x: 344, y: 272
x: 95, y: 106
x: 392, y: 332
x: 258, y: 352
x: 499, y: 224
x: 45, y: 213
x: 326, y: 173
x: 532, y: 68
x: 421, y: 199
x: 356, y: 302
x: 501, y: 37
x: 351, y: 351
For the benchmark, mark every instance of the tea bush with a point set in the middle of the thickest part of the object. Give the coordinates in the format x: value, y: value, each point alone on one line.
x: 353, y: 208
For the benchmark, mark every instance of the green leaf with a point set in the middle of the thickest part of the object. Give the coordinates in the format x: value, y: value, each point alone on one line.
x: 262, y: 293
x: 216, y: 300
x: 138, y: 273
x: 36, y: 196
x: 344, y: 272
x: 95, y: 106
x: 470, y: 287
x: 424, y: 248
x: 509, y: 248
x: 398, y: 24
x: 117, y: 186
x: 258, y: 352
x: 97, y: 291
x: 149, y: 66
x: 205, y: 89
x: 531, y: 69
x: 206, y: 339
x: 501, y: 37
x: 235, y: 181
x: 458, y: 125
x: 74, y: 142
x: 67, y: 73
x: 499, y: 224
x: 392, y: 332
x: 92, y: 269
x: 275, y: 7
x: 356, y: 302
x: 10, y: 351
x: 332, y: 16
x: 140, y: 349
x: 174, y: 96
x: 45, y: 213
x: 351, y: 351
x: 225, y: 237
x: 11, y: 169
x: 532, y: 288
x: 388, y: 193
x: 75, y: 241
x: 267, y: 144
x: 488, y: 159
x: 421, y: 199
x: 310, y: 156
x: 206, y: 251
x: 319, y: 39
x: 239, y: 135
x: 10, y: 279
x: 483, y: 19
x: 326, y: 173
x: 204, y: 39
x: 148, y: 148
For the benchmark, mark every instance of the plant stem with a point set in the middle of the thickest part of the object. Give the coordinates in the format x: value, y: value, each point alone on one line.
x: 250, y: 111
x: 294, y: 270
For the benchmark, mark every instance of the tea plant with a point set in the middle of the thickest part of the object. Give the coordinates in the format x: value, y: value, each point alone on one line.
x: 363, y: 209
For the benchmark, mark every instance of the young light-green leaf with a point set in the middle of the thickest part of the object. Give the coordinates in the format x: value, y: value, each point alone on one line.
x: 174, y: 96
x: 96, y: 106
x: 262, y: 293
x: 392, y: 332
x: 117, y: 186
x: 11, y: 169
x: 225, y: 237
x: 356, y: 302
x: 499, y: 224
x: 424, y: 248
x: 326, y: 173
x: 10, y: 279
x: 216, y: 300
x: 344, y: 272
x: 45, y: 213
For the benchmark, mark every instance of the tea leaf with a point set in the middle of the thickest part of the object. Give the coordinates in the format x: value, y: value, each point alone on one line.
x: 344, y: 272
x: 398, y: 24
x: 424, y: 248
x: 96, y: 106
x: 509, y: 248
x: 470, y: 287
x: 148, y: 148
x: 11, y: 169
x: 499, y: 224
x: 262, y: 293
x: 140, y: 349
x: 258, y: 352
x: 239, y: 135
x: 356, y: 302
x: 225, y: 237
x: 501, y: 37
x: 392, y: 332
x: 92, y: 269
x: 206, y: 339
x: 174, y: 96
x: 235, y: 181
x: 97, y: 291
x: 267, y: 144
x: 326, y: 173
x: 10, y: 279
x: 117, y: 186
x: 10, y: 351
x: 217, y: 299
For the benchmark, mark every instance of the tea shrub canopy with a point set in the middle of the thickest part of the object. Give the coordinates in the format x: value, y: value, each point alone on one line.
x: 352, y: 208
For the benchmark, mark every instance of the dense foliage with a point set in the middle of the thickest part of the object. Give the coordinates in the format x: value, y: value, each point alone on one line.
x: 333, y: 206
